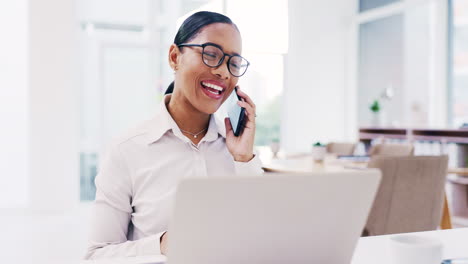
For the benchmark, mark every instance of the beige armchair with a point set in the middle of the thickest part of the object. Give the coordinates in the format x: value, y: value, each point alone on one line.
x: 392, y: 150
x: 411, y: 194
x: 341, y: 148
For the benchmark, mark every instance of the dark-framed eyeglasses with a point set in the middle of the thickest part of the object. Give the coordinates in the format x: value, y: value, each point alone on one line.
x: 213, y: 56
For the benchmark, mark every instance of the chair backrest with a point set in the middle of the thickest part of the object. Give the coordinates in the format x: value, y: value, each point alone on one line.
x: 392, y: 150
x: 340, y: 148
x: 411, y: 194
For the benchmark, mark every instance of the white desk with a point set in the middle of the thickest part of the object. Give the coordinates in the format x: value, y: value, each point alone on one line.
x: 375, y: 249
x: 370, y: 250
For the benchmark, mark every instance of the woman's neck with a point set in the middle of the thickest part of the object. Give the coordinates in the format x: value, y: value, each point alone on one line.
x: 187, y: 117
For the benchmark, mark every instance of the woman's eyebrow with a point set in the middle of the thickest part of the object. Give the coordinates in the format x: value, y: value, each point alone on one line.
x: 219, y: 46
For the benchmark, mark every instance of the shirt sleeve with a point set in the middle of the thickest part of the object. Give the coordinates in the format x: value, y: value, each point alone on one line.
x: 112, y: 211
x: 249, y: 168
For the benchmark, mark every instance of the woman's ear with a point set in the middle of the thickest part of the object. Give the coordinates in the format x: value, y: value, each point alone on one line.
x: 174, y: 54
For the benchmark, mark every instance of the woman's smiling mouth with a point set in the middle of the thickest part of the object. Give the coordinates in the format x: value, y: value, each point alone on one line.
x: 213, y: 89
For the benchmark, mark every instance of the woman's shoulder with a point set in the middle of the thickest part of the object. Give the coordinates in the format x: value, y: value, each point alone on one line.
x: 135, y: 134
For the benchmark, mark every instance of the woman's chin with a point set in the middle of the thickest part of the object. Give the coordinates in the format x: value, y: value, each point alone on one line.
x: 210, y: 110
x: 206, y: 104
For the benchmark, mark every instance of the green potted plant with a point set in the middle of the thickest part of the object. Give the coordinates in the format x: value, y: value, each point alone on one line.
x: 375, y: 106
x: 375, y: 110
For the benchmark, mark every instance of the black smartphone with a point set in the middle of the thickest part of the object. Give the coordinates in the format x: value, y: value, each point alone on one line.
x: 236, y: 113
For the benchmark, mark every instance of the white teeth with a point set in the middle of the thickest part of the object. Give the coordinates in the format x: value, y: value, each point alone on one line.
x: 213, y: 92
x: 216, y: 87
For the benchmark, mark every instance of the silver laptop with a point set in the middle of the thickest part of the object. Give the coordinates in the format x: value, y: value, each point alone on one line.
x: 276, y: 218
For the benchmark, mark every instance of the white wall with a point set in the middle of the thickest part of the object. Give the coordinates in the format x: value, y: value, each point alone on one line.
x: 13, y: 103
x: 315, y: 89
x: 53, y: 104
x: 38, y: 135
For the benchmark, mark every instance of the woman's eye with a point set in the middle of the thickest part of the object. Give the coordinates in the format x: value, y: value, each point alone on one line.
x: 235, y: 65
x: 210, y: 55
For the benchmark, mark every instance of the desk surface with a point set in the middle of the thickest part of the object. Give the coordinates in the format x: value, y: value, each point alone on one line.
x: 375, y: 249
x: 307, y: 164
x: 369, y: 250
x: 459, y: 171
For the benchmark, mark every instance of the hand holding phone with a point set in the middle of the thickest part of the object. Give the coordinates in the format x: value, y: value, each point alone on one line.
x: 236, y: 113
x: 240, y: 126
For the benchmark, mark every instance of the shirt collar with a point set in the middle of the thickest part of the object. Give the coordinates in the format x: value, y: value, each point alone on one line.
x: 163, y: 122
x: 215, y: 128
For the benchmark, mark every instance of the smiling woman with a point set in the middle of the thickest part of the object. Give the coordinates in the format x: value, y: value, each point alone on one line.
x: 139, y: 175
x: 198, y: 61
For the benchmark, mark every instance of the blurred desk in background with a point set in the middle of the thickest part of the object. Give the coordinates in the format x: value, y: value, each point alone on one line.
x: 444, y: 136
x: 305, y: 163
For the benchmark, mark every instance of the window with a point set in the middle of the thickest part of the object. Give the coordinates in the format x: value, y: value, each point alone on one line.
x: 123, y: 62
x: 265, y: 42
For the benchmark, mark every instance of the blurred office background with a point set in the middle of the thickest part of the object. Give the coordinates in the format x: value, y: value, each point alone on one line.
x: 76, y: 73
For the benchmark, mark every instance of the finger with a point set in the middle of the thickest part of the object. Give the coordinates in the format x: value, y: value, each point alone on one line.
x: 250, y: 114
x: 246, y: 98
x: 248, y: 108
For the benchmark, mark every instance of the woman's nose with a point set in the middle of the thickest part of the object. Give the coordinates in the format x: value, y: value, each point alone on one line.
x: 222, y: 71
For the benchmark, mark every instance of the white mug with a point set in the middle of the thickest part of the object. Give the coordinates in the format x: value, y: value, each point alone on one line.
x: 319, y: 153
x: 414, y: 249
